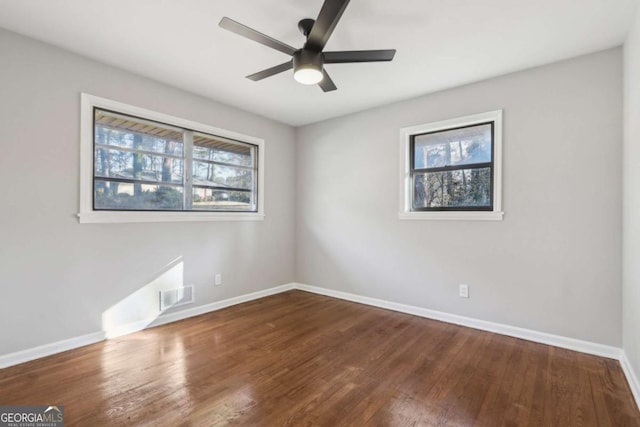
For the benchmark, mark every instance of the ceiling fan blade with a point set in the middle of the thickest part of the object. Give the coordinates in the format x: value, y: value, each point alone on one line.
x: 250, y: 33
x: 326, y: 22
x: 271, y: 71
x: 326, y: 84
x: 348, y: 56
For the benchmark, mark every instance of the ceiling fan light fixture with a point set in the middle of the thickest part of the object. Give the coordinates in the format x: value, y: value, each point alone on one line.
x: 307, y: 67
x: 308, y: 76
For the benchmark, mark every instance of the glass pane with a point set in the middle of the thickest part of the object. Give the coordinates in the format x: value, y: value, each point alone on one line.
x: 125, y: 196
x: 222, y: 176
x: 119, y: 130
x: 210, y: 199
x: 113, y: 163
x: 453, y: 189
x: 453, y: 147
x: 207, y: 147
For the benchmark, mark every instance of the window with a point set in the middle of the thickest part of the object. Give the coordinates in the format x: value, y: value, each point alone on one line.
x: 452, y: 169
x: 140, y: 166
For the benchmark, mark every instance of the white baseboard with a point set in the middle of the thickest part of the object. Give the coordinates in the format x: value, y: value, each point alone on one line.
x: 632, y: 378
x: 512, y: 331
x: 22, y: 356
x: 219, y: 305
x: 527, y: 334
x: 165, y: 318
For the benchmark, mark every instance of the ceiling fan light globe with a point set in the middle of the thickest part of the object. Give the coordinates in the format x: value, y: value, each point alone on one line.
x: 308, y: 76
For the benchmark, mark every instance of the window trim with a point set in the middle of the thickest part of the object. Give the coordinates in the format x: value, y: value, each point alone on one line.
x: 407, y: 135
x: 88, y: 215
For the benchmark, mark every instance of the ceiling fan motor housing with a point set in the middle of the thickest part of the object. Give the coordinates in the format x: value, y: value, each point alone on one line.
x: 305, y: 58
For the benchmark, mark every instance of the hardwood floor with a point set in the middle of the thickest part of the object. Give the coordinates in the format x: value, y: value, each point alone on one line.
x: 301, y: 359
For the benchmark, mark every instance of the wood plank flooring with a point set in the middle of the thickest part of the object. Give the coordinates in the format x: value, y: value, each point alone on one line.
x: 301, y: 359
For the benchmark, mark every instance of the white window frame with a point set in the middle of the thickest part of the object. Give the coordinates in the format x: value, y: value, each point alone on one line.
x: 406, y: 190
x: 88, y: 215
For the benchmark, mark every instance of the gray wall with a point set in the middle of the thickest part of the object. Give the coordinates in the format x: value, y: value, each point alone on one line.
x: 631, y: 199
x: 553, y: 263
x: 57, y: 276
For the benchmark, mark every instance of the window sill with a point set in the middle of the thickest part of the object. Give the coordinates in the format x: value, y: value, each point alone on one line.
x: 453, y: 216
x: 97, y: 217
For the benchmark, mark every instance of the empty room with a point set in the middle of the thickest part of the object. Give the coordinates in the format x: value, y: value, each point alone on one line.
x: 320, y: 213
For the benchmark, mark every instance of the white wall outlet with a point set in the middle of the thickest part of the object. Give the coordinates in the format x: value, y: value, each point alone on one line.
x: 218, y: 279
x: 464, y: 290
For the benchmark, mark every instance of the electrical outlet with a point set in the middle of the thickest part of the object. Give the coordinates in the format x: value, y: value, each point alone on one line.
x: 464, y: 291
x: 218, y: 279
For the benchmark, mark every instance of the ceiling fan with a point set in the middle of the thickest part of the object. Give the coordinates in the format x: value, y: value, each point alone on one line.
x: 308, y: 62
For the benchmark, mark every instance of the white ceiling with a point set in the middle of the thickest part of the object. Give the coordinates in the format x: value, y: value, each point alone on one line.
x: 440, y: 44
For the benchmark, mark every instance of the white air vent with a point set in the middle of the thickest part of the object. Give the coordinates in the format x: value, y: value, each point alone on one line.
x: 175, y: 297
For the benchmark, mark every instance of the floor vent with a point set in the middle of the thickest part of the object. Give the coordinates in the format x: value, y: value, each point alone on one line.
x: 176, y: 297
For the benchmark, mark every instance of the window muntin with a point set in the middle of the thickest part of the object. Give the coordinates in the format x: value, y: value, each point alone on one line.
x: 452, y: 169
